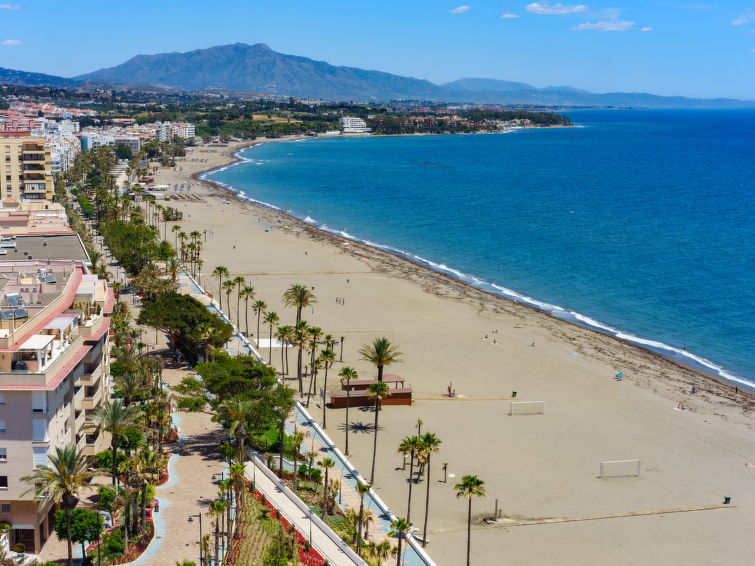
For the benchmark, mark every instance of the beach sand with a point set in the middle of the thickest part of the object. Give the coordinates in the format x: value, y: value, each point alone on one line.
x: 537, y: 467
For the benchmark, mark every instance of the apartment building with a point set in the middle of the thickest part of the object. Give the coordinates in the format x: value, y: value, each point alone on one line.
x: 54, y: 341
x: 26, y: 164
x: 353, y: 125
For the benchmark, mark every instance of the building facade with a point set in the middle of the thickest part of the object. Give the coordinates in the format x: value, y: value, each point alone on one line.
x: 26, y: 163
x: 352, y: 125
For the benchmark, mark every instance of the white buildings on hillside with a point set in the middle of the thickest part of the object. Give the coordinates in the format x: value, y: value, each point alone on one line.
x: 352, y: 125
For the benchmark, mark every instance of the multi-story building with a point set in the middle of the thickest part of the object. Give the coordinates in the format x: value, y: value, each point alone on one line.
x: 26, y: 164
x: 166, y: 131
x: 54, y: 323
x: 353, y: 125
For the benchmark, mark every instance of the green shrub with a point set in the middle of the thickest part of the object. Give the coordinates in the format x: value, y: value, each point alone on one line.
x: 302, y: 471
x: 104, y: 459
x: 315, y: 474
x: 130, y: 440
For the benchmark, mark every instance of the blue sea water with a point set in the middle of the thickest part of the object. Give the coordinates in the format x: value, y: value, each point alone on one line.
x: 639, y: 223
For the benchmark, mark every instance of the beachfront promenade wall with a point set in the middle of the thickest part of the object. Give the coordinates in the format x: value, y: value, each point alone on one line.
x: 414, y: 555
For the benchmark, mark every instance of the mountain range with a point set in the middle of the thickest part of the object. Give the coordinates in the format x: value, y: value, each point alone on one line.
x: 260, y: 70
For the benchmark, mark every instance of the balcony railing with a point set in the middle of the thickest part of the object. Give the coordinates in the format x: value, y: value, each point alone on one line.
x: 90, y: 402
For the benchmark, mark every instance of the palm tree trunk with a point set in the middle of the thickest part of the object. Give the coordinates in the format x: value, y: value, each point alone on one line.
x: 298, y: 372
x: 324, y: 392
x: 469, y: 529
x: 144, y: 506
x: 411, y: 475
x: 282, y: 448
x: 220, y: 292
x: 359, y: 530
x: 427, y: 503
x: 296, y: 453
x: 283, y: 362
x: 380, y: 374
x: 125, y: 525
x: 238, y: 310
x: 68, y: 530
x: 374, y: 444
x: 398, y: 554
x: 348, y: 402
x: 114, y: 450
x: 270, y: 340
x: 285, y: 347
x: 246, y: 314
x: 259, y: 314
x: 309, y: 390
x: 217, y: 536
x: 340, y: 358
x: 325, y: 496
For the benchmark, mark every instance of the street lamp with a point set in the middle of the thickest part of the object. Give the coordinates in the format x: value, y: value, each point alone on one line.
x: 201, y: 555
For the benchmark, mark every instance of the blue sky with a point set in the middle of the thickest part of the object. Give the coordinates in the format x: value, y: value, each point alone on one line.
x: 670, y: 47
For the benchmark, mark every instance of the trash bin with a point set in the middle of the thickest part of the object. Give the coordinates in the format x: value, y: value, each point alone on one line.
x: 513, y: 393
x: 727, y: 500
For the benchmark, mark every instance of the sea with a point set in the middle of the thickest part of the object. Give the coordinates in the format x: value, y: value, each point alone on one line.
x: 638, y: 223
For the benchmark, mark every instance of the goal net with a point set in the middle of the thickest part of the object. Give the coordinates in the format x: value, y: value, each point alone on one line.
x: 619, y: 468
x: 527, y: 408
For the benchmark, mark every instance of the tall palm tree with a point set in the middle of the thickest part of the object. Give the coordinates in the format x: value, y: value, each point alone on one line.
x: 220, y: 271
x: 380, y: 353
x: 297, y: 439
x: 329, y: 340
x: 314, y: 369
x: 470, y: 486
x: 259, y: 309
x: 247, y: 293
x: 147, y: 464
x: 412, y: 445
x: 399, y: 529
x: 235, y: 413
x: 328, y: 358
x: 228, y: 287
x: 237, y: 473
x: 300, y: 339
x: 362, y: 489
x: 298, y: 296
x: 430, y: 443
x: 281, y: 334
x: 380, y: 551
x: 271, y: 318
x: 217, y: 510
x: 326, y: 463
x: 340, y: 342
x: 60, y: 482
x: 378, y: 392
x: 239, y: 282
x: 113, y: 417
x: 176, y: 229
x: 347, y: 374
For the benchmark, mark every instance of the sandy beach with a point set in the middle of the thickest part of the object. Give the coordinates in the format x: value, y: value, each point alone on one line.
x: 538, y: 467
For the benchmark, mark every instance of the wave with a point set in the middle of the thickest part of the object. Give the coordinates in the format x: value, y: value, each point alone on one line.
x: 555, y: 310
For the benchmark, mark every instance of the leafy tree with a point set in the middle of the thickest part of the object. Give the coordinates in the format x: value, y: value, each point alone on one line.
x: 298, y: 296
x: 106, y: 501
x: 347, y: 374
x: 113, y: 417
x: 86, y: 526
x: 399, y: 529
x: 470, y: 486
x: 123, y: 152
x: 429, y: 443
x: 380, y: 353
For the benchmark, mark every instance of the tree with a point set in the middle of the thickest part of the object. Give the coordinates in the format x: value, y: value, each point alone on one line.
x: 271, y: 318
x: 380, y: 353
x: 340, y: 342
x: 228, y: 287
x: 362, y: 490
x: 123, y: 151
x: 238, y: 282
x: 259, y: 309
x: 380, y: 551
x: 236, y: 413
x: 86, y: 526
x: 297, y: 439
x: 378, y: 392
x: 430, y: 443
x: 220, y: 271
x: 347, y: 374
x: 410, y: 445
x: 60, y: 482
x: 328, y: 358
x: 115, y: 418
x: 298, y: 296
x: 399, y: 529
x: 247, y: 293
x: 326, y: 463
x: 470, y: 486
x: 300, y: 339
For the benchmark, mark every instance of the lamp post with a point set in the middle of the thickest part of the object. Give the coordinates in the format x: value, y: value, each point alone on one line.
x: 201, y: 554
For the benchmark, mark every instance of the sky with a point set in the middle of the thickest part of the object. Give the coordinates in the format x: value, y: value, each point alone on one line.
x: 668, y: 47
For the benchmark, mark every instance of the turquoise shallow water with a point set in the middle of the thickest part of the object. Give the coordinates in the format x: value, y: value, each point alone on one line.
x: 639, y: 223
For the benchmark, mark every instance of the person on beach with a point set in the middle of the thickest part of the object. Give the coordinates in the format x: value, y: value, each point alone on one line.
x: 618, y: 376
x: 450, y: 388
x: 693, y: 390
x: 681, y: 407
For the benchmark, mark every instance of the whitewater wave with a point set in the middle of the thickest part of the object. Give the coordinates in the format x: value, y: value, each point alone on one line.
x: 555, y: 310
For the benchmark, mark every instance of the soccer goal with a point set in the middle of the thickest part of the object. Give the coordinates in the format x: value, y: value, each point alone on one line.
x: 527, y: 408
x: 619, y: 468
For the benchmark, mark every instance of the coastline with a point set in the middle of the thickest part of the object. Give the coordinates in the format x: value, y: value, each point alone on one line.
x: 387, y: 258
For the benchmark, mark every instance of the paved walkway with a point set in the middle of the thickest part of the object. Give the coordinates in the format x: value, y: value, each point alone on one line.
x: 331, y: 550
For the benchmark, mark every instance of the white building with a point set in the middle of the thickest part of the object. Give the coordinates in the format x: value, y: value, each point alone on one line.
x: 353, y: 125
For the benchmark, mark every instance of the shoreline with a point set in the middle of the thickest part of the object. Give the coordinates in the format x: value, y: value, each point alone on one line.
x: 728, y: 386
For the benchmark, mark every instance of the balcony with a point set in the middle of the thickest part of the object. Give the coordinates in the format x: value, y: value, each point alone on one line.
x: 79, y: 422
x: 90, y: 402
x: 81, y: 441
x: 92, y: 373
x: 93, y: 443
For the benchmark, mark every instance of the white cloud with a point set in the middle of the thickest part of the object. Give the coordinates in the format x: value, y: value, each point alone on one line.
x: 747, y: 17
x: 11, y: 42
x: 554, y: 9
x: 752, y: 50
x: 9, y: 7
x: 509, y: 16
x: 613, y: 25
x: 460, y: 10
x: 648, y: 28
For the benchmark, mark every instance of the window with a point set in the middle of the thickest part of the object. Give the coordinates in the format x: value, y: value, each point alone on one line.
x: 39, y: 430
x: 2, y: 426
x: 5, y: 508
x: 3, y: 454
x: 40, y: 456
x: 39, y: 401
x: 3, y: 482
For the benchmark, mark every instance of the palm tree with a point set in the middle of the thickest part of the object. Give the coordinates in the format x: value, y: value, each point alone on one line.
x: 400, y: 528
x: 328, y: 358
x: 237, y: 473
x: 329, y: 340
x: 239, y: 282
x: 147, y: 465
x: 281, y: 334
x: 228, y: 287
x: 235, y: 412
x: 340, y: 357
x: 300, y: 338
x: 297, y: 439
x: 314, y: 369
x: 297, y: 295
x: 217, y: 510
x: 380, y: 551
x: 380, y: 353
x: 271, y: 318
x: 410, y: 444
x: 259, y: 308
x: 113, y: 417
x: 445, y: 472
x: 378, y: 392
x: 220, y: 271
x: 362, y: 490
x: 347, y: 374
x: 326, y: 463
x: 430, y: 443
x: 176, y: 229
x: 60, y: 482
x: 469, y: 487
x: 247, y: 293
x: 419, y: 427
